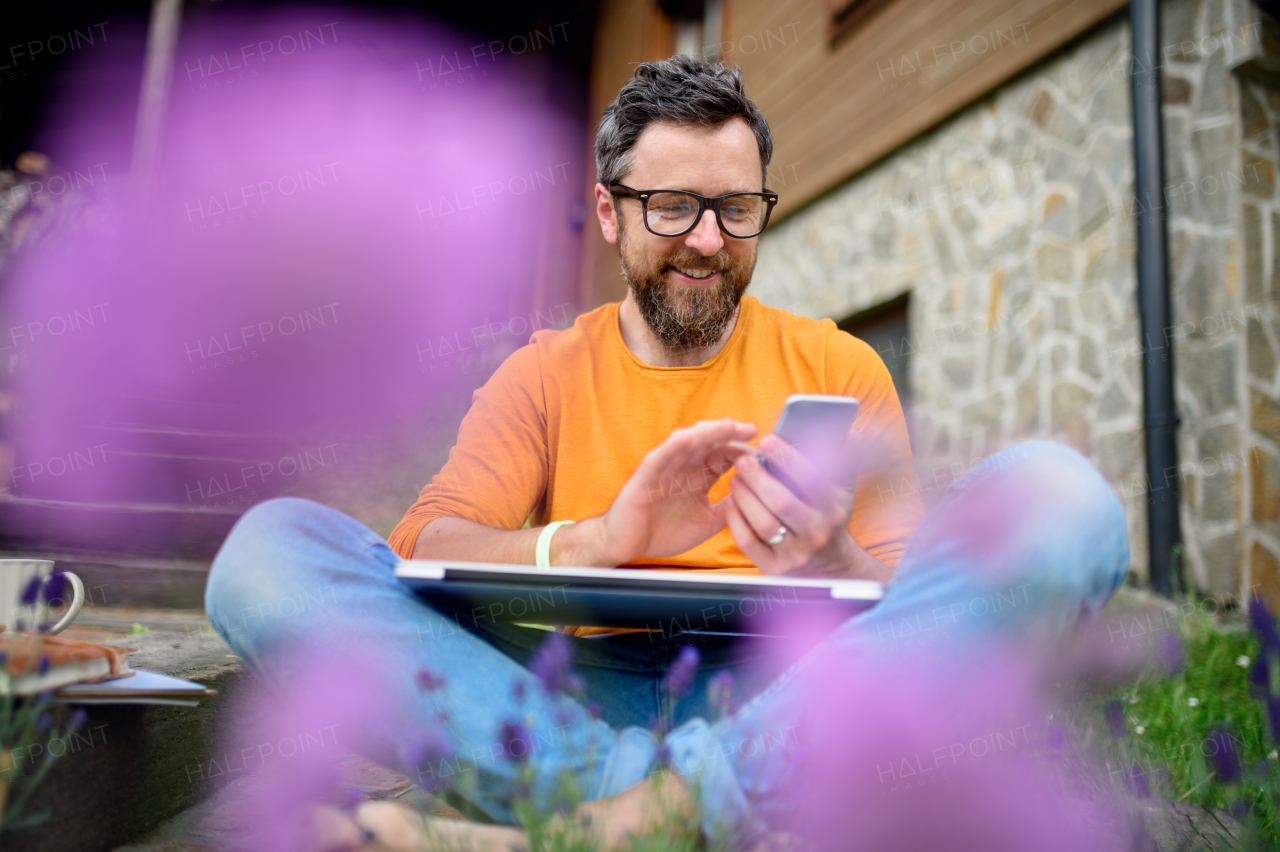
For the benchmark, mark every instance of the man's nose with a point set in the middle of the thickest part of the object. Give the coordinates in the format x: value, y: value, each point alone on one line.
x: 706, y: 237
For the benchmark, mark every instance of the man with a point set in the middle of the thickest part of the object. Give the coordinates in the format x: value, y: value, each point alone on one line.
x: 635, y: 425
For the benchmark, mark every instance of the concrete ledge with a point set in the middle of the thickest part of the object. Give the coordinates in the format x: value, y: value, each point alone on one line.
x: 132, y: 767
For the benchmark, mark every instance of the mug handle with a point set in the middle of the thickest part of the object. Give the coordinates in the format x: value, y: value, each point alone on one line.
x: 77, y: 602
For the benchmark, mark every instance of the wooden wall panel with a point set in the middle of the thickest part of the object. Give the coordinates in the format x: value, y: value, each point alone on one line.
x: 835, y: 109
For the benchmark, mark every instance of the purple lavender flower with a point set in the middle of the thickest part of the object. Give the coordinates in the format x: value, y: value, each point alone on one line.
x: 1171, y: 653
x: 1264, y: 625
x: 682, y: 672
x: 44, y: 663
x: 1115, y: 719
x: 31, y: 593
x: 552, y: 665
x: 56, y: 587
x: 1260, y: 671
x: 516, y: 741
x: 78, y: 718
x: 429, y: 681
x: 1139, y: 780
x: 1225, y: 761
x: 426, y: 752
x: 720, y: 692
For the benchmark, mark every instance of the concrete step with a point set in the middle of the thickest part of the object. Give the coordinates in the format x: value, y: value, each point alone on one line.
x: 219, y: 823
x: 133, y: 767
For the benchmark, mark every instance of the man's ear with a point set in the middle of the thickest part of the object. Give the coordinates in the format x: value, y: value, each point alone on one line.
x: 605, y: 213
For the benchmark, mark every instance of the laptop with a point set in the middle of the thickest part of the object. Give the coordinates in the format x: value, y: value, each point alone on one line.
x: 670, y: 601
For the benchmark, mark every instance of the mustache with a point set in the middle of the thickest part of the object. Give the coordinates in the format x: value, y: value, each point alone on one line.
x: 718, y: 262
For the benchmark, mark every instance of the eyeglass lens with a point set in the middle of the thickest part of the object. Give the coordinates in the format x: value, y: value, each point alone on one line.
x: 672, y: 213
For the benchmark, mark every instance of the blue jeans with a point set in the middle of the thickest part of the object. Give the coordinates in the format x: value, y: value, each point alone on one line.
x: 1029, y: 545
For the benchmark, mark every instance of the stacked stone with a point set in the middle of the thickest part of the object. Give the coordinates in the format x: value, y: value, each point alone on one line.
x: 1011, y: 226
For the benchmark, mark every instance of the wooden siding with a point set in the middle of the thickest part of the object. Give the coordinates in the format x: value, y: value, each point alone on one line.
x: 836, y: 109
x: 837, y: 105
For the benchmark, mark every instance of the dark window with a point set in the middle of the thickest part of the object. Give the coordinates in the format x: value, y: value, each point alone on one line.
x: 884, y: 328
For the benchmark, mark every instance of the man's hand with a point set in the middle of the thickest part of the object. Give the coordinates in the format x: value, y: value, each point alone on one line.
x: 663, y: 509
x: 817, y: 541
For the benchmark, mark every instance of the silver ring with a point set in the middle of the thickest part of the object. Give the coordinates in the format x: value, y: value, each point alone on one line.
x: 778, y: 537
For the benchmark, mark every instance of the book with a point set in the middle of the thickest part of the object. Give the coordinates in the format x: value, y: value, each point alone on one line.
x: 37, y: 662
x: 143, y: 688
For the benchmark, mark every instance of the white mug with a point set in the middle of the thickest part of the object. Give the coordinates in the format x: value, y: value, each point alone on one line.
x: 15, y: 577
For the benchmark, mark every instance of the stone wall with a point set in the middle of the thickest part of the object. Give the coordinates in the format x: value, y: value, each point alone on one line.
x: 1011, y: 226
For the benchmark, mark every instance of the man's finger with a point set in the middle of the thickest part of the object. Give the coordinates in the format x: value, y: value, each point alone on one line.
x: 692, y: 447
x: 757, y: 514
x: 798, y: 515
x: 750, y: 545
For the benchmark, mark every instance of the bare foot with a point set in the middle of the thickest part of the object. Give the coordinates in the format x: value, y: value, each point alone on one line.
x: 387, y: 827
x: 660, y: 803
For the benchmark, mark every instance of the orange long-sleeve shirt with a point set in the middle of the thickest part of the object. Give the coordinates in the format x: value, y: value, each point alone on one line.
x: 564, y: 422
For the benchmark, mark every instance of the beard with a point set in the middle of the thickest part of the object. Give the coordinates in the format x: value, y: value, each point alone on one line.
x: 686, y: 318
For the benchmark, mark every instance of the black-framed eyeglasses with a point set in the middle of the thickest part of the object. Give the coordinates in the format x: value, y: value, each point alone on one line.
x: 674, y: 213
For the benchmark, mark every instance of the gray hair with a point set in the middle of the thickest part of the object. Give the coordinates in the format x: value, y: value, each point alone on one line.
x: 684, y: 90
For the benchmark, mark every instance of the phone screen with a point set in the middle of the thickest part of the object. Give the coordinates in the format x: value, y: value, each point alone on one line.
x: 816, y: 425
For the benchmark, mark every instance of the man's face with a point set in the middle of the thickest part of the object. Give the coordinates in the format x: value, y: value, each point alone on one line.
x: 682, y: 310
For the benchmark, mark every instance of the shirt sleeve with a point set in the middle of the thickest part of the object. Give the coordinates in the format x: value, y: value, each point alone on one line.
x: 496, y: 473
x: 887, y: 506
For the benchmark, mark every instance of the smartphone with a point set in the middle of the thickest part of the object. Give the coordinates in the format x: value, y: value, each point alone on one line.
x: 816, y: 425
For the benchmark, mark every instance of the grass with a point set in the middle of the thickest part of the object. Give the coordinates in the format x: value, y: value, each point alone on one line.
x: 1176, y: 727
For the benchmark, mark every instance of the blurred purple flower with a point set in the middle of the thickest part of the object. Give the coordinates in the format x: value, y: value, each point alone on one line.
x: 1054, y: 737
x: 1171, y: 653
x: 425, y: 752
x: 1115, y: 719
x: 78, y: 718
x: 429, y: 681
x: 44, y: 663
x: 995, y: 794
x: 1264, y: 625
x: 720, y: 692
x: 31, y: 593
x: 1139, y: 780
x: 1273, y: 714
x: 682, y: 672
x: 56, y: 586
x: 44, y: 722
x: 1225, y: 761
x: 516, y: 741
x: 1260, y: 672
x: 552, y: 665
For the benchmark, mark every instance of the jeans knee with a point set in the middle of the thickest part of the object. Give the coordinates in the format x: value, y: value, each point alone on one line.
x: 241, y: 570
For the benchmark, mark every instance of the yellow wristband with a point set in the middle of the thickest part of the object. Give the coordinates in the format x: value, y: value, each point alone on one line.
x: 542, y: 554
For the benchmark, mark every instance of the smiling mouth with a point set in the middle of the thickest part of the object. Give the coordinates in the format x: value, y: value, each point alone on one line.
x: 695, y: 273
